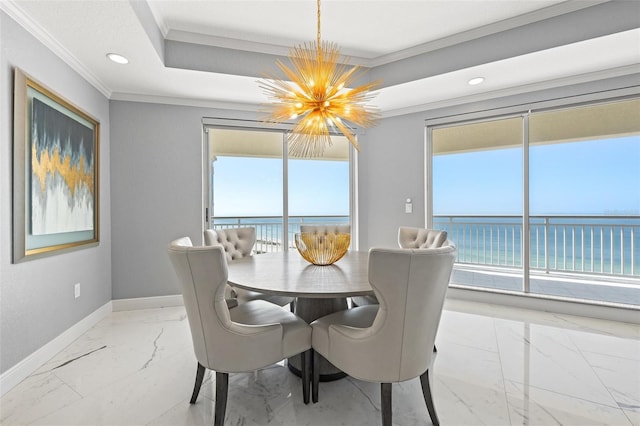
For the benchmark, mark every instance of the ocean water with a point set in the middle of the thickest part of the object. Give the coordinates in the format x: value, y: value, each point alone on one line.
x: 269, y: 229
x: 606, y: 245
x: 601, y: 245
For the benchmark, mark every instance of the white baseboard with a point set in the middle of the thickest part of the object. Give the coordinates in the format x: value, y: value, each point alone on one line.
x: 31, y: 363
x: 547, y: 304
x: 147, y: 302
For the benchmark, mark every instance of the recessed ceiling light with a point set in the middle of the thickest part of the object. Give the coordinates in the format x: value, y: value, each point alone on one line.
x: 475, y: 81
x: 119, y: 59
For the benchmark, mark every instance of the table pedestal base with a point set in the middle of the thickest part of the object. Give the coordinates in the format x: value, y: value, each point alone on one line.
x: 310, y: 309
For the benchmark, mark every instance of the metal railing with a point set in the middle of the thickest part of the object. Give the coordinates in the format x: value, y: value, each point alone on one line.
x: 269, y: 228
x: 605, y: 245
x: 585, y: 244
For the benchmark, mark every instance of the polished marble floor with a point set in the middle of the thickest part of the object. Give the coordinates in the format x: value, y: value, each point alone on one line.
x: 495, y: 366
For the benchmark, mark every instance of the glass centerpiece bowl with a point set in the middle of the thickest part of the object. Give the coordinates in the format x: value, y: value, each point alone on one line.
x: 321, y: 248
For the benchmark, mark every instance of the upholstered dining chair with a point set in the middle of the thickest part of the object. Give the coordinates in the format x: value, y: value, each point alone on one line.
x: 409, y: 237
x: 390, y: 342
x: 326, y: 229
x: 248, y: 337
x: 238, y: 243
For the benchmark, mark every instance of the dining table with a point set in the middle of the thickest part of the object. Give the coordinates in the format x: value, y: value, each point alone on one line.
x: 318, y: 290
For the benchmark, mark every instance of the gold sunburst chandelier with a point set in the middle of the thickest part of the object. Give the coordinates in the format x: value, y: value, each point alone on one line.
x: 318, y: 95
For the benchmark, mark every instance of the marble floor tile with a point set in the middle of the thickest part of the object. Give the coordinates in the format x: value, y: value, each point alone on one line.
x: 544, y: 357
x: 529, y: 405
x: 495, y: 366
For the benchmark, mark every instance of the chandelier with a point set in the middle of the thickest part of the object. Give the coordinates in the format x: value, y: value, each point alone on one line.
x: 318, y: 96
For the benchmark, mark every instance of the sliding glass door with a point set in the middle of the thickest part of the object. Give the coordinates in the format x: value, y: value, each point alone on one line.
x: 585, y: 202
x: 246, y: 182
x: 319, y: 189
x: 252, y: 182
x: 545, y: 203
x: 477, y: 199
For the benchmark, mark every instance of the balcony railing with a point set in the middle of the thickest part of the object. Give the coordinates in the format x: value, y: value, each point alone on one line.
x: 584, y: 244
x: 606, y: 245
x: 269, y: 228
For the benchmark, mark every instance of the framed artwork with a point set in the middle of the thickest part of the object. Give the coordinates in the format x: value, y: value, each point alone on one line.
x: 55, y: 173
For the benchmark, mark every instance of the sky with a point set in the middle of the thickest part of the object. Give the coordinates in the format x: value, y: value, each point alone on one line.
x: 316, y: 188
x: 599, y: 177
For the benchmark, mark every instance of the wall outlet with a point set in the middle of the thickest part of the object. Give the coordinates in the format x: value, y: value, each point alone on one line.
x: 408, y: 208
x: 76, y: 290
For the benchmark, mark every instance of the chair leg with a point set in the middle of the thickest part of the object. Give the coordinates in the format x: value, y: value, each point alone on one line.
x: 292, y: 306
x: 306, y: 374
x: 315, y: 374
x: 198, y: 385
x: 222, y: 387
x: 425, y: 380
x: 385, y: 403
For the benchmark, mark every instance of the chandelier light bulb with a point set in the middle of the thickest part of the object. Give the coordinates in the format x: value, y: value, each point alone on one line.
x: 321, y: 101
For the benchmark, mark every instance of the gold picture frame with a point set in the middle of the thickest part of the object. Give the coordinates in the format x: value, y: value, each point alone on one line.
x: 55, y: 173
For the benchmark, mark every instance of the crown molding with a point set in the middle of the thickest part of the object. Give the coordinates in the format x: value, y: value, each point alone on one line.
x: 479, y: 97
x: 15, y: 12
x: 494, y: 28
x: 280, y: 50
x: 160, y: 22
x: 511, y: 91
x: 249, y: 46
x: 190, y: 102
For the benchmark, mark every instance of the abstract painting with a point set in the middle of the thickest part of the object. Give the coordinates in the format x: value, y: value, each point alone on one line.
x: 55, y: 172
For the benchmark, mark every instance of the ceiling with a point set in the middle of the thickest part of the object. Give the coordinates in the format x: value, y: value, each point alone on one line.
x: 211, y: 53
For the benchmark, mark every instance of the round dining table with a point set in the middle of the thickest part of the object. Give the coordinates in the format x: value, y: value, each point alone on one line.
x: 319, y: 290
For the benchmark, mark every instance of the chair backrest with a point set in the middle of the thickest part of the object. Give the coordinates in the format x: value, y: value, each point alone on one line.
x: 410, y: 285
x: 409, y: 237
x: 326, y: 229
x: 237, y: 242
x: 219, y: 343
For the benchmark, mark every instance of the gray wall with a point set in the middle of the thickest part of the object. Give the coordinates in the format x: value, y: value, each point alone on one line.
x: 36, y: 297
x: 392, y: 158
x: 155, y: 194
x: 391, y: 169
x: 156, y: 158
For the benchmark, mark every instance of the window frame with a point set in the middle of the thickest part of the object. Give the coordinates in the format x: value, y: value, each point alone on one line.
x: 283, y: 128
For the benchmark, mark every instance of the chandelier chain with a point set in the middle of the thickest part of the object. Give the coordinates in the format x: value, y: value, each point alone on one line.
x: 318, y: 1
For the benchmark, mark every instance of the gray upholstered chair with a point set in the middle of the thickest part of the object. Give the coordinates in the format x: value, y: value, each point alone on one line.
x: 409, y: 237
x: 238, y: 243
x: 248, y: 337
x: 390, y: 342
x: 326, y: 229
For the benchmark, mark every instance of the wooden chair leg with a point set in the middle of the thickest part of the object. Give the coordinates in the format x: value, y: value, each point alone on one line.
x: 198, y: 385
x: 315, y: 374
x: 306, y: 374
x: 222, y: 388
x: 385, y: 403
x: 425, y: 380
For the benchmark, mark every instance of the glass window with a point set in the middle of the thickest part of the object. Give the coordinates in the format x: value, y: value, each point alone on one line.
x: 477, y: 199
x: 583, y: 201
x: 319, y: 189
x: 248, y: 185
